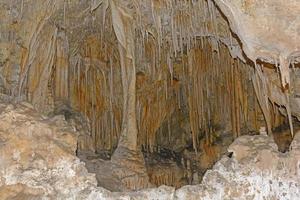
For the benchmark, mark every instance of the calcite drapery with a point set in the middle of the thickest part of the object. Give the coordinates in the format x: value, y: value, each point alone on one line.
x: 269, y: 31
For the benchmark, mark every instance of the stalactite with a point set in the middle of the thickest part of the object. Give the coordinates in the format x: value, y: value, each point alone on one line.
x: 207, y: 85
x: 261, y: 93
x: 61, y: 90
x: 289, y: 113
x: 206, y: 96
x: 39, y: 74
x: 33, y: 48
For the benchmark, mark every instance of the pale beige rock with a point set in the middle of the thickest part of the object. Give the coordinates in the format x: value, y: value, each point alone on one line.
x: 268, y: 29
x: 37, y: 156
x: 37, y: 161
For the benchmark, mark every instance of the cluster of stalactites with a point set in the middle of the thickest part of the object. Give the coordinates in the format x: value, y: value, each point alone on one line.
x: 169, y: 56
x: 163, y: 50
x: 272, y: 94
x: 217, y: 88
x: 177, y: 24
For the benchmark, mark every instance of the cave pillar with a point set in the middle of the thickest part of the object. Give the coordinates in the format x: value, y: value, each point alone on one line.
x: 128, y: 160
x: 128, y: 138
x: 123, y: 26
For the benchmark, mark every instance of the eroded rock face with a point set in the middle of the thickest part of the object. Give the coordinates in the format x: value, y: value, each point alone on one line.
x: 37, y: 161
x: 268, y: 29
x: 37, y: 157
x: 256, y: 171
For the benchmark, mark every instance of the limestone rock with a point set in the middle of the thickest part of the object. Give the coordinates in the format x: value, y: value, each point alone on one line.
x: 37, y: 161
x: 256, y: 171
x: 37, y: 157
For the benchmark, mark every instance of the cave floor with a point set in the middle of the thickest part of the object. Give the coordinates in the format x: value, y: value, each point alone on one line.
x: 167, y: 167
x: 163, y: 166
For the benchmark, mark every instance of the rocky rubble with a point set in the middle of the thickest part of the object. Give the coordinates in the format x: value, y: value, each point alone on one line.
x: 37, y: 157
x: 256, y: 170
x: 38, y: 161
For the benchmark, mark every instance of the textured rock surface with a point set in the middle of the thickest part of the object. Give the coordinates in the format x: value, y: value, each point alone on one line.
x: 38, y: 162
x: 268, y: 28
x: 37, y: 156
x: 256, y: 171
x: 269, y: 31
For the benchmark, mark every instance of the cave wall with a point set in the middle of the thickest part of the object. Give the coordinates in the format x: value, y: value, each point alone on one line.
x: 38, y: 161
x: 56, y: 53
x: 269, y: 32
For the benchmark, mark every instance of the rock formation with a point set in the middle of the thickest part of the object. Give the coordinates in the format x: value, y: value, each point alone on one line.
x: 38, y: 161
x: 149, y: 93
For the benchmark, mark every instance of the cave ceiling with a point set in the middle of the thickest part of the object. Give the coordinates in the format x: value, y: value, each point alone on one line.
x: 267, y: 30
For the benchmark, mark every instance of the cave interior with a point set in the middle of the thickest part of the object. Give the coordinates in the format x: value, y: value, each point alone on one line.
x: 156, y: 90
